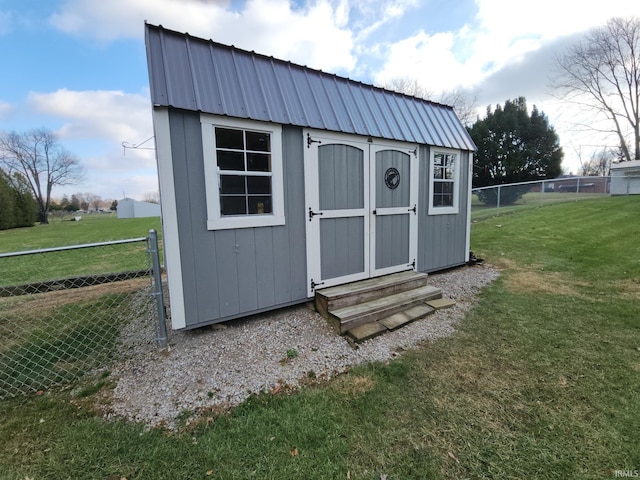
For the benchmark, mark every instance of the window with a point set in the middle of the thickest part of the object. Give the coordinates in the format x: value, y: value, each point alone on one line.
x: 443, y: 183
x: 243, y: 173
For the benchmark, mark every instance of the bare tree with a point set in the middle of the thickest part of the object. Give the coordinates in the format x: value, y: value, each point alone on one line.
x: 408, y: 86
x: 599, y: 163
x: 39, y: 157
x: 602, y: 74
x: 151, y: 197
x: 462, y: 101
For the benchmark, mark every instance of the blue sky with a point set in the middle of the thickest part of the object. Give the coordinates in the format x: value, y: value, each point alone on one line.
x: 78, y: 67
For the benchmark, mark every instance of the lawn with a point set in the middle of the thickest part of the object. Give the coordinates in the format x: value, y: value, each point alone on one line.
x: 529, y: 200
x: 90, y: 229
x: 540, y: 381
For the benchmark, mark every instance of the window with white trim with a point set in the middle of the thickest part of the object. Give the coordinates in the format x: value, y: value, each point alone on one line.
x: 243, y: 173
x: 443, y: 181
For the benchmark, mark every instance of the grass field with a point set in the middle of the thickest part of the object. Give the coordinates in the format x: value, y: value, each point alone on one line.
x: 529, y: 200
x: 540, y: 381
x: 91, y: 229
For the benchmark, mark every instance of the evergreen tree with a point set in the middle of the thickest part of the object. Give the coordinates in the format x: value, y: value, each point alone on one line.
x: 18, y: 208
x: 7, y: 218
x: 513, y: 146
x: 25, y: 206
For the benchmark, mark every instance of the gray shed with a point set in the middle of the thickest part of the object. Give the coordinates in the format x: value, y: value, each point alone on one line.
x: 130, y: 208
x: 625, y: 178
x: 276, y: 179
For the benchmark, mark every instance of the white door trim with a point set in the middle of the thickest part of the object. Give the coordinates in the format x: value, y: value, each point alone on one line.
x: 315, y: 138
x: 412, y: 151
x: 313, y: 212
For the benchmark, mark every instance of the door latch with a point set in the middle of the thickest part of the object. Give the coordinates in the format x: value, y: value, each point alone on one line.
x: 412, y: 209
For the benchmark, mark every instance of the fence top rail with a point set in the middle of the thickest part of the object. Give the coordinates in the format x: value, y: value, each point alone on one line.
x: 546, y: 180
x: 73, y: 247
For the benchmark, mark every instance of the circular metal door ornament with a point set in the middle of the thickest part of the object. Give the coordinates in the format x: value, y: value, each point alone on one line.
x: 392, y: 178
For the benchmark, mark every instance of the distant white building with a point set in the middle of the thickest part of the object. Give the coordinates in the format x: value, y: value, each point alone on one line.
x: 130, y: 208
x: 625, y: 178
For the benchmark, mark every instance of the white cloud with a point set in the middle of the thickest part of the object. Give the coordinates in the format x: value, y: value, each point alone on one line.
x: 109, y: 115
x: 315, y: 35
x: 501, y: 35
x: 103, y: 120
x: 5, y: 108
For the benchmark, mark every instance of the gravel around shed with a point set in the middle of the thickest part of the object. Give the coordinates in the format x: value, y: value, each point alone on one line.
x: 222, y: 365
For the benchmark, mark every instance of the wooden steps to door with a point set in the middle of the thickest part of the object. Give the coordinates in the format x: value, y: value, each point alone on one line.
x: 369, y: 307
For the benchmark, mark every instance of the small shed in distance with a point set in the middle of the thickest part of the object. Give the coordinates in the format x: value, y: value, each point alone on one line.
x: 277, y: 179
x: 625, y: 178
x: 130, y: 208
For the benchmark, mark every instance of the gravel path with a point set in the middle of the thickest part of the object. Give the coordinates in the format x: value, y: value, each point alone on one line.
x: 220, y: 366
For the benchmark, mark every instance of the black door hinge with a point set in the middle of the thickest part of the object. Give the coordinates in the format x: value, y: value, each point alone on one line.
x: 310, y: 141
x: 313, y: 214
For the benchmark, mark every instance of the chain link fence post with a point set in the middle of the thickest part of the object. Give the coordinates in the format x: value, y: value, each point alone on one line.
x: 156, y: 291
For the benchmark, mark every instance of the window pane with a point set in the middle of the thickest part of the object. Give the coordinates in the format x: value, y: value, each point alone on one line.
x: 438, y: 159
x: 437, y: 172
x: 230, y: 160
x: 448, y: 173
x: 259, y: 185
x: 260, y: 204
x: 228, y: 138
x: 258, y: 141
x: 233, y: 205
x: 232, y: 184
x: 259, y: 162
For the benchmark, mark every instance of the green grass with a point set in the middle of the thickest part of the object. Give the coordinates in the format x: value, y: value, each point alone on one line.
x: 481, y: 211
x: 55, y: 343
x: 56, y: 265
x: 541, y: 381
x: 92, y: 228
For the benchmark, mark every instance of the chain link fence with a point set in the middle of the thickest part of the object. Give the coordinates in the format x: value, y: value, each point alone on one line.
x: 501, y: 199
x: 61, y: 315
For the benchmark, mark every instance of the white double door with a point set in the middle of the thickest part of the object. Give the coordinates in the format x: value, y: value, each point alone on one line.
x: 361, y: 204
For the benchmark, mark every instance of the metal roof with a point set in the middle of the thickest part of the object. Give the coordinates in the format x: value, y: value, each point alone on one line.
x: 201, y: 75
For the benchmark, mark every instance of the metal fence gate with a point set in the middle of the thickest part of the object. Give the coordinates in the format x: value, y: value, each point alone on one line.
x: 62, y: 310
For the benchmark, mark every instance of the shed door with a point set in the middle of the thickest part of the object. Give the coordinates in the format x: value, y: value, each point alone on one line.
x: 359, y: 203
x: 394, y: 224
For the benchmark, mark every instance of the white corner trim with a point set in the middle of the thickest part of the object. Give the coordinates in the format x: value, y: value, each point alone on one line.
x: 170, y: 237
x: 469, y: 185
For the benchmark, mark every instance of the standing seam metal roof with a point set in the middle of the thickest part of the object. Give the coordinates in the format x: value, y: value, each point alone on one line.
x: 201, y: 75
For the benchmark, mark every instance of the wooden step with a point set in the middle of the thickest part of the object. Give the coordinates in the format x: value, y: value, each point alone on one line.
x: 391, y: 323
x: 345, y: 318
x: 357, y: 292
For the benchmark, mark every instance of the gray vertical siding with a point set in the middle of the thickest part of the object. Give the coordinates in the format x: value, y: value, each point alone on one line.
x: 341, y: 246
x: 398, y: 197
x: 340, y: 169
x: 441, y: 238
x: 392, y: 240
x: 232, y: 273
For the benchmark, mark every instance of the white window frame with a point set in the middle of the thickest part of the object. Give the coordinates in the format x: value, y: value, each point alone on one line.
x: 455, y: 208
x: 217, y: 221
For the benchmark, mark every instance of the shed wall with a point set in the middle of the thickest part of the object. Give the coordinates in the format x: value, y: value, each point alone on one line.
x: 232, y: 273
x: 442, y: 239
